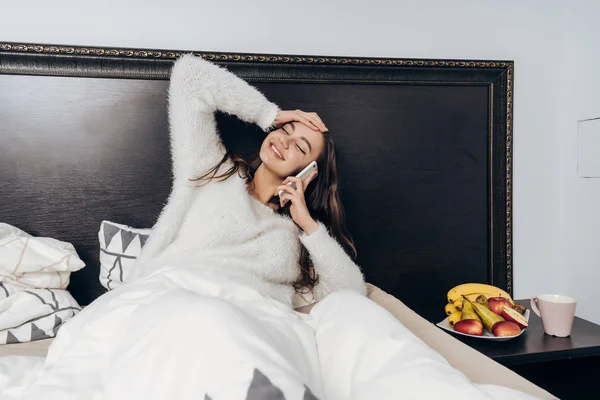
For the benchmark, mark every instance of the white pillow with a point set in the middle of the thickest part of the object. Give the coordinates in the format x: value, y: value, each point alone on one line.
x: 35, y: 262
x: 120, y: 245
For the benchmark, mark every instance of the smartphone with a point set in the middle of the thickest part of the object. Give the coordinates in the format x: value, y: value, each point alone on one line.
x: 303, y: 174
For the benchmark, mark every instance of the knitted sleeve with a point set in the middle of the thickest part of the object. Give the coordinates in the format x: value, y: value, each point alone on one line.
x: 336, y: 269
x: 197, y: 89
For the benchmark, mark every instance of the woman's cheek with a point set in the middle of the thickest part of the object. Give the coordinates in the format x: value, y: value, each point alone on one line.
x: 294, y: 163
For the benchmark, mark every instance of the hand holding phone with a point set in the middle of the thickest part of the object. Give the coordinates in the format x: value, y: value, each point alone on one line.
x: 302, y: 175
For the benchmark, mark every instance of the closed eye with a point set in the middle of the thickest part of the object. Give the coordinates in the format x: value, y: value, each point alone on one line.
x: 298, y: 146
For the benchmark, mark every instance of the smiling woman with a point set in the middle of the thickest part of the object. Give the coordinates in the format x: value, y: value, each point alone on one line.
x: 285, y: 151
x: 300, y: 139
x: 297, y: 138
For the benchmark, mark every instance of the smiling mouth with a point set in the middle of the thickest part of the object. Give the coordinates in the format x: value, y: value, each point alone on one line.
x: 275, y: 151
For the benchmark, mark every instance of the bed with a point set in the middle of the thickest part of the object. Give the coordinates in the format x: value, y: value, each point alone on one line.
x: 424, y: 153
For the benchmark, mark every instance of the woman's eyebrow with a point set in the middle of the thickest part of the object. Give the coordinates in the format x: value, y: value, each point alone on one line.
x: 307, y: 142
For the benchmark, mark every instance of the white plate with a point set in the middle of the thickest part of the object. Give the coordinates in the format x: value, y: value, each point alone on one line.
x: 486, y: 335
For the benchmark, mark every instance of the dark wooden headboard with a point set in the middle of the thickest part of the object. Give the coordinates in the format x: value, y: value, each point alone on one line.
x: 424, y: 150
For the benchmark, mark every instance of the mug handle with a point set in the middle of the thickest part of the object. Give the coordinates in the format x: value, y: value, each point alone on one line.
x: 534, y: 306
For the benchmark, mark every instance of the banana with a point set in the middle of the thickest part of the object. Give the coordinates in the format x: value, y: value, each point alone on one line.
x: 454, y: 317
x: 468, y: 289
x: 458, y: 303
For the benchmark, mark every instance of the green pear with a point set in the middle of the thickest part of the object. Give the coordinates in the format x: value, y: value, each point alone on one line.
x: 468, y: 312
x: 481, y: 299
x: 488, y: 317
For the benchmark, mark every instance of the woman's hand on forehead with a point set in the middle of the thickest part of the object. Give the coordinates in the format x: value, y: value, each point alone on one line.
x: 310, y: 119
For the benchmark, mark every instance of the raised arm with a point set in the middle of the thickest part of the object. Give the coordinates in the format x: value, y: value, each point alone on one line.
x: 197, y: 89
x: 336, y: 269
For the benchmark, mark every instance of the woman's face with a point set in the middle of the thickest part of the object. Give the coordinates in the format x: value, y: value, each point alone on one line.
x: 287, y: 150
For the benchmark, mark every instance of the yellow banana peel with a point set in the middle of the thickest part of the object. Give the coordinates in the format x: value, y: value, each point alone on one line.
x: 454, y: 317
x: 475, y: 289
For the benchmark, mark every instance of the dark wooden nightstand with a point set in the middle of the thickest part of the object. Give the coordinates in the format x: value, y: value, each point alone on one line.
x: 566, y: 367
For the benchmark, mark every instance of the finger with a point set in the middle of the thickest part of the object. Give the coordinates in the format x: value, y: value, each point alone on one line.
x: 310, y: 178
x: 288, y: 189
x: 284, y: 189
x: 285, y: 198
x: 316, y: 121
x: 313, y: 116
x: 306, y: 121
x: 319, y: 121
x: 297, y: 183
x: 321, y: 125
x: 293, y: 179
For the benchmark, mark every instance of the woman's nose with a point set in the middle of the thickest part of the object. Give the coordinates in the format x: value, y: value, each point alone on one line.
x: 285, y: 142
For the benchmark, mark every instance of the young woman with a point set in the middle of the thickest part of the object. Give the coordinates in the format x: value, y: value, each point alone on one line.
x: 228, y: 214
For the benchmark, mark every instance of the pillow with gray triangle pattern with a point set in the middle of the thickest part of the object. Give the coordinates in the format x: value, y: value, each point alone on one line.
x: 120, y: 245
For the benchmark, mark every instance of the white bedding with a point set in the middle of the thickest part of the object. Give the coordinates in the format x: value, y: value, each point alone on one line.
x: 186, y: 334
x: 34, y: 275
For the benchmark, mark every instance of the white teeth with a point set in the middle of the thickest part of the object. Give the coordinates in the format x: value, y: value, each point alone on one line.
x: 276, y: 152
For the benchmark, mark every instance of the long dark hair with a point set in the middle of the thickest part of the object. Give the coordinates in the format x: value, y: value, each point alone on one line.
x: 322, y: 198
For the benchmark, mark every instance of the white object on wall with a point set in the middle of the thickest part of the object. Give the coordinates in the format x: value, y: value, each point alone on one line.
x: 588, y: 148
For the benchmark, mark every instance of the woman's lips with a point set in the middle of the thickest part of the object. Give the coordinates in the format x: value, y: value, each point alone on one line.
x: 276, y: 151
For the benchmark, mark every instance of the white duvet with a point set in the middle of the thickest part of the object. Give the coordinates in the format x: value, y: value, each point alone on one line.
x: 185, y: 333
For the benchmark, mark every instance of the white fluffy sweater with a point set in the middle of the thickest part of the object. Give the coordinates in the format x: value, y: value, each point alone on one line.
x: 219, y: 225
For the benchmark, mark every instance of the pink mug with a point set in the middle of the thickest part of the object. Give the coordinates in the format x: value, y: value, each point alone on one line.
x: 557, y: 313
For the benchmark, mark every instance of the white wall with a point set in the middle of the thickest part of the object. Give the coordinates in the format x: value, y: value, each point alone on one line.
x: 580, y: 263
x: 534, y: 34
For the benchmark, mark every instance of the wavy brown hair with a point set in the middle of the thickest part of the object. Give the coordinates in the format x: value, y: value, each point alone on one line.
x: 322, y: 199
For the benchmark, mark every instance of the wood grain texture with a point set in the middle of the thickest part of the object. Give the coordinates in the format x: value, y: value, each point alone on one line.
x: 77, y: 151
x: 422, y: 153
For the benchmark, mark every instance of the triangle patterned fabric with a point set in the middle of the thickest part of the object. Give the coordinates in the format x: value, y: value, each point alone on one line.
x: 11, y: 339
x: 143, y: 239
x: 120, y: 245
x: 37, y: 333
x: 109, y: 232
x: 126, y: 239
x: 261, y: 388
x: 47, y: 310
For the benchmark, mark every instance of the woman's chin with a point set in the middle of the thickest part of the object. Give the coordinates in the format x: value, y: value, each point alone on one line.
x: 276, y: 166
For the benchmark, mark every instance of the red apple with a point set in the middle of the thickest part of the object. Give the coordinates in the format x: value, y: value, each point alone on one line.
x: 496, y: 304
x: 469, y: 326
x: 506, y: 328
x: 513, y: 315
